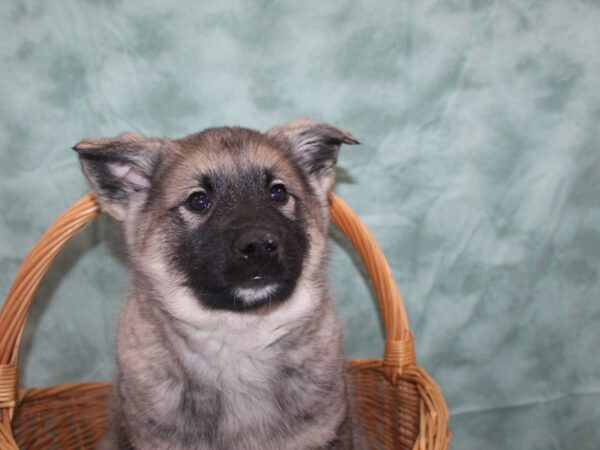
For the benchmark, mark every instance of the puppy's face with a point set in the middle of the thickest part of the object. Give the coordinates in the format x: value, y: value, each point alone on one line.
x: 229, y: 212
x: 235, y: 212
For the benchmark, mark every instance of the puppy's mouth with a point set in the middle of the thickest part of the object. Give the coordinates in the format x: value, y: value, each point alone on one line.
x: 257, y: 289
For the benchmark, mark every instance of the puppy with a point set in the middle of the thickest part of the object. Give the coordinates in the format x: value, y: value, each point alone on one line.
x: 228, y: 339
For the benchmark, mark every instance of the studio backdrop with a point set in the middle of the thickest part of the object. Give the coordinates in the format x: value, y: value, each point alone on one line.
x: 478, y: 174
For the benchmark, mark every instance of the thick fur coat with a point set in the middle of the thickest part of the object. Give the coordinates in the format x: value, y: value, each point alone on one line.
x: 228, y: 338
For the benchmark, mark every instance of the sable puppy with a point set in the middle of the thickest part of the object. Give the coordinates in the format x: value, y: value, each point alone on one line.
x: 228, y: 339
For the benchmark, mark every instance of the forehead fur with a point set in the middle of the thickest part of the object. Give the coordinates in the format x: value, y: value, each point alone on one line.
x: 228, y: 152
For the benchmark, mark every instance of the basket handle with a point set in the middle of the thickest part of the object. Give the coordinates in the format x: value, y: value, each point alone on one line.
x: 399, y: 342
x: 399, y: 349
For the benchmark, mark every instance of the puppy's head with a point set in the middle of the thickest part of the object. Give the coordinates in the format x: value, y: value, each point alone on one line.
x: 229, y: 213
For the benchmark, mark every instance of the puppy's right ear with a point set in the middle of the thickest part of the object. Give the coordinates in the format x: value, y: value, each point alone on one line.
x: 118, y: 167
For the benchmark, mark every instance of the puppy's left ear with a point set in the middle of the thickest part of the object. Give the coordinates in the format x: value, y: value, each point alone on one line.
x: 315, y: 146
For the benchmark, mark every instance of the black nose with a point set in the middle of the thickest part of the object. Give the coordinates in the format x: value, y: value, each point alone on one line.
x: 256, y: 246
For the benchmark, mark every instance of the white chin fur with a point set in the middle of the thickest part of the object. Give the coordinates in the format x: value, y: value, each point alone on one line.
x: 252, y: 295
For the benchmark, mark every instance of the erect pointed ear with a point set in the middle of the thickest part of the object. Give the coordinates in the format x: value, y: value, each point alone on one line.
x: 118, y: 167
x: 315, y: 146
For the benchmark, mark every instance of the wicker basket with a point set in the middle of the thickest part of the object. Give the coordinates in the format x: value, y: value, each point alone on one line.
x: 400, y: 406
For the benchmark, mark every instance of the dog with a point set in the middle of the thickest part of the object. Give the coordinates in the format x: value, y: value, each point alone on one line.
x: 228, y: 338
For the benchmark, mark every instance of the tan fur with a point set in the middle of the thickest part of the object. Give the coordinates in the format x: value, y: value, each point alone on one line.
x: 194, y: 377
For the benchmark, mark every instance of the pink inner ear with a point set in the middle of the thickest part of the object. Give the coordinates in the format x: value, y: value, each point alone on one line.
x: 129, y: 175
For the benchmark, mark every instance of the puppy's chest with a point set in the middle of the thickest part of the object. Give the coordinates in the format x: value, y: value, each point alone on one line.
x: 229, y: 360
x: 246, y: 410
x: 209, y: 388
x: 240, y: 392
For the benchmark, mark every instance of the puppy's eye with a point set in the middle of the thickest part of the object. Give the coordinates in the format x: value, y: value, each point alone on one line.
x: 278, y: 193
x: 198, y: 201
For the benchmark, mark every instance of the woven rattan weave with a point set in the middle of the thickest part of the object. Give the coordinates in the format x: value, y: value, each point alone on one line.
x: 399, y: 405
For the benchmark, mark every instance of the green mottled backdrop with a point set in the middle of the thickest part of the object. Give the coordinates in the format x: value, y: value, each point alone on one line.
x: 478, y: 174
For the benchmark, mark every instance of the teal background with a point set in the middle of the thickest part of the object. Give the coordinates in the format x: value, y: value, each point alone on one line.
x: 479, y: 175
